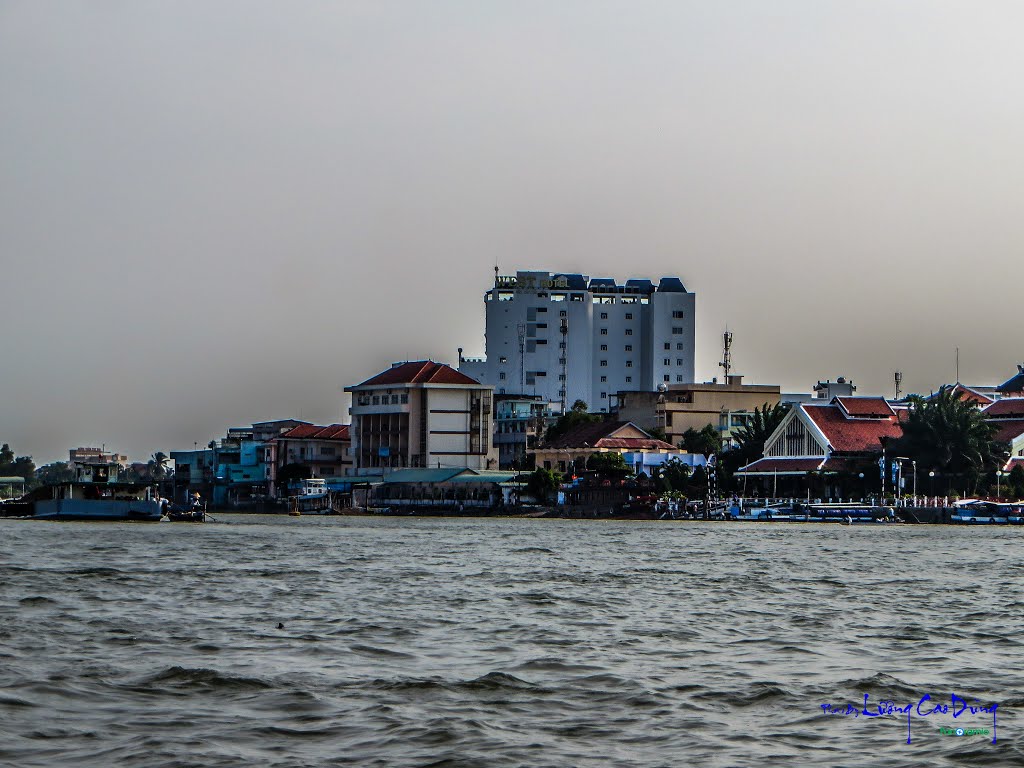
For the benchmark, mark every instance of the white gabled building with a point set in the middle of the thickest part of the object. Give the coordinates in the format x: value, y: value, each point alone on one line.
x: 568, y: 337
x: 421, y: 414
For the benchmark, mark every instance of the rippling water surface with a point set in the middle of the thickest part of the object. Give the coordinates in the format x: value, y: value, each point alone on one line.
x: 502, y: 642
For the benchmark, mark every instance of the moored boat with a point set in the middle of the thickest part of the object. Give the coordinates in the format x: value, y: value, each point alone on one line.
x: 96, y: 494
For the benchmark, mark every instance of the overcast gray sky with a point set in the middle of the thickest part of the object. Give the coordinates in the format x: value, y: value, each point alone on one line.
x: 219, y: 212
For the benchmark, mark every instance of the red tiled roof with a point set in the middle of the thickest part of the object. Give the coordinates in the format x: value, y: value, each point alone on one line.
x: 315, y: 432
x: 857, y: 435
x: 598, y: 435
x: 1010, y: 407
x: 865, y: 406
x: 420, y: 372
x: 968, y: 394
x: 782, y: 466
x: 1015, y: 461
x: 1007, y: 430
x: 635, y: 444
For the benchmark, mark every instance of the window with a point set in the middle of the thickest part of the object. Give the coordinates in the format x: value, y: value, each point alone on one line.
x: 502, y: 359
x: 561, y: 393
x: 604, y: 363
x: 405, y: 398
x: 604, y: 347
x: 541, y: 373
x: 667, y: 377
x: 561, y: 377
x: 679, y: 378
x: 629, y: 315
x: 629, y: 331
x: 542, y: 341
x: 542, y: 325
x: 629, y: 379
x: 376, y: 399
x: 667, y: 361
x: 678, y: 346
x: 629, y: 363
x: 677, y: 314
x: 542, y: 309
x: 561, y: 345
x: 604, y: 315
x: 604, y: 395
x: 677, y: 330
x: 629, y: 347
x: 575, y: 297
x: 561, y: 313
x: 679, y: 361
x: 561, y: 361
x: 667, y: 347
x: 394, y: 399
x: 604, y: 379
x: 604, y: 331
x: 501, y: 376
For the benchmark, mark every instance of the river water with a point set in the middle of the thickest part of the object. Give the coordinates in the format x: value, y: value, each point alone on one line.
x: 505, y: 642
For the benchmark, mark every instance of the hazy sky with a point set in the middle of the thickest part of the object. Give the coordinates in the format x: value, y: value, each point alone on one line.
x: 219, y: 212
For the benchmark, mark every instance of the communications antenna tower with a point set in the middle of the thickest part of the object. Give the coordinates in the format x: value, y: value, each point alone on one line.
x: 726, y: 354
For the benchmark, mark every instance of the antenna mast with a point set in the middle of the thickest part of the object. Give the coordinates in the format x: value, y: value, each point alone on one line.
x: 726, y: 354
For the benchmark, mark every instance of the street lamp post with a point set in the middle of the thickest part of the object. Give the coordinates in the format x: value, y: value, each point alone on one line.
x: 999, y: 475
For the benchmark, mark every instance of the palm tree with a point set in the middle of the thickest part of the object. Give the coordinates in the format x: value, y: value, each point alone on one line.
x: 752, y: 436
x: 157, y: 465
x: 949, y: 434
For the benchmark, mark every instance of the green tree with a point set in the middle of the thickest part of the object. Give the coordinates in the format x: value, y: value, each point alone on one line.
x: 157, y: 465
x: 290, y: 472
x: 542, y: 484
x: 580, y: 406
x: 23, y: 466
x: 705, y: 441
x: 949, y: 434
x: 55, y: 473
x: 751, y: 437
x: 6, y: 459
x: 673, y: 475
x: 658, y: 433
x: 1016, y: 481
x: 570, y: 421
x: 608, y: 464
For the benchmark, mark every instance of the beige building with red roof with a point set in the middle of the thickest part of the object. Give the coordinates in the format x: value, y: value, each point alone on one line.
x: 845, y: 435
x: 622, y: 437
x: 421, y: 414
x: 326, y: 450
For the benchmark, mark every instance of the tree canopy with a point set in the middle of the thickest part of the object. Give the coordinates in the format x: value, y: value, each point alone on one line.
x: 542, y: 483
x: 949, y: 434
x: 751, y: 437
x: 569, y: 421
x: 608, y: 463
x: 705, y: 441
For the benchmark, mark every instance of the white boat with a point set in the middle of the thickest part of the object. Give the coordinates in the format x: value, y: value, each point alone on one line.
x: 313, y: 498
x: 96, y: 494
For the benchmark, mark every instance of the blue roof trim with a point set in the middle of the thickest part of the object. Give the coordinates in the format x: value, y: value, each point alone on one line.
x: 671, y: 285
x: 576, y: 281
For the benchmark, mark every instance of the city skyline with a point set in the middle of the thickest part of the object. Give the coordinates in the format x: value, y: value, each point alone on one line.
x: 217, y: 215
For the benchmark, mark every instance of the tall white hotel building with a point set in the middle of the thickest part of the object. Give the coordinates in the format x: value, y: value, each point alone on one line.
x: 568, y: 337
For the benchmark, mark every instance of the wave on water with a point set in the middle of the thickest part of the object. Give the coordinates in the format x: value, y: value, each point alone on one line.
x: 204, y: 680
